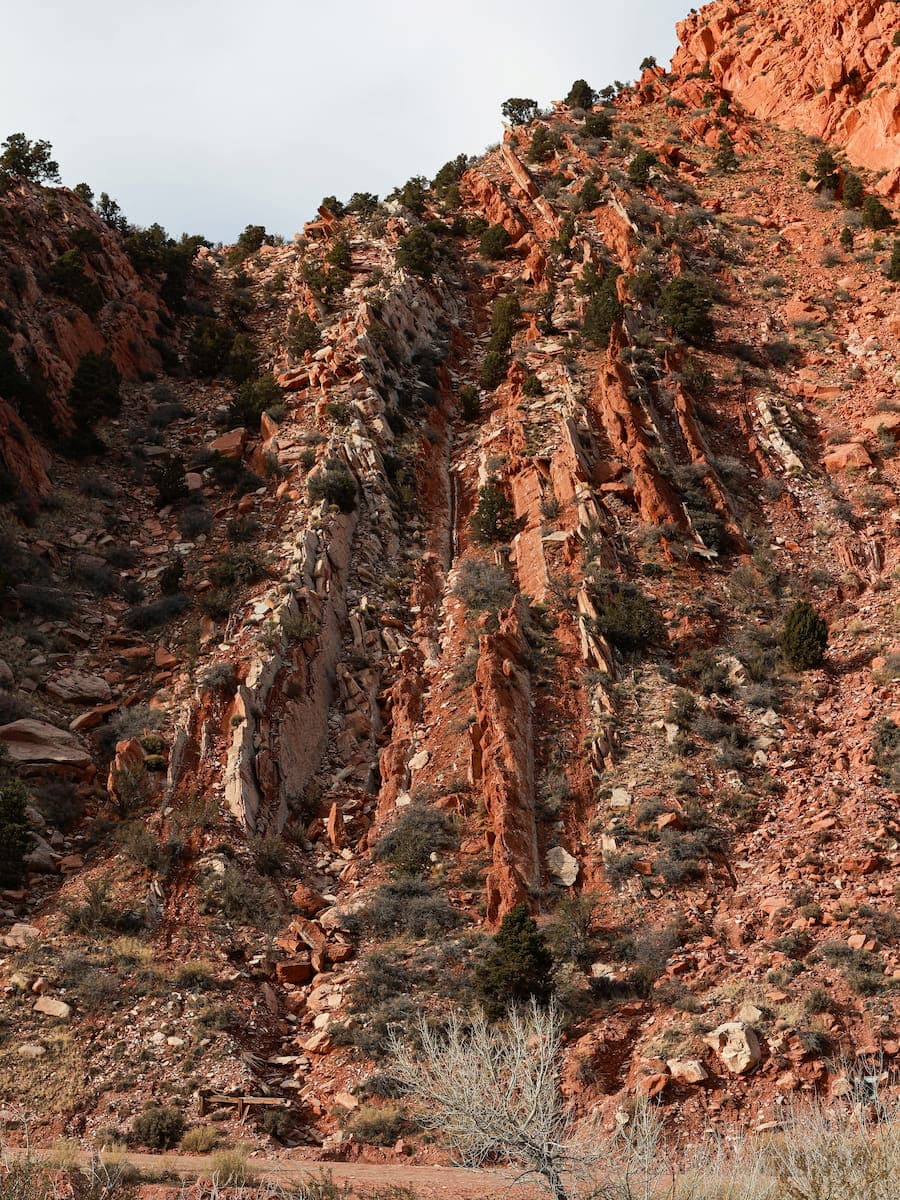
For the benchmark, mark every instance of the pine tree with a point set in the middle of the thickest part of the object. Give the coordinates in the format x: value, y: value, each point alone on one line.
x: 519, y: 967
x: 805, y: 637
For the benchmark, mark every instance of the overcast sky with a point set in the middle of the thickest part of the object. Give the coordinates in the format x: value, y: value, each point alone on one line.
x: 207, y: 115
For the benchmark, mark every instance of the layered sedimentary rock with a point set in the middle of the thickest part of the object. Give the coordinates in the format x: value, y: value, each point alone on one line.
x: 829, y: 67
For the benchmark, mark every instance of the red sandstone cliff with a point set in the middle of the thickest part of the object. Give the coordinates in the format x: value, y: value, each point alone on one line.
x: 827, y: 67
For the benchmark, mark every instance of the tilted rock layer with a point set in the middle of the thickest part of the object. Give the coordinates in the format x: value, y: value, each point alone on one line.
x: 828, y: 67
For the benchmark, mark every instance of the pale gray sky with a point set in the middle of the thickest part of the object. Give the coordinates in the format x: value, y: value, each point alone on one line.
x: 207, y: 115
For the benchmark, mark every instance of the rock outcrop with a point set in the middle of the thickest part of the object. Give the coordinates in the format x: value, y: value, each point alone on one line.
x: 828, y: 67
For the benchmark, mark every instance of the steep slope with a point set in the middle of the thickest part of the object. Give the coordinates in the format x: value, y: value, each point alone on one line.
x: 470, y: 595
x: 830, y: 68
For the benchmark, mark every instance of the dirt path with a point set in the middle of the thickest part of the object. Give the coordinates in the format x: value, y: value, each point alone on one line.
x: 429, y: 1182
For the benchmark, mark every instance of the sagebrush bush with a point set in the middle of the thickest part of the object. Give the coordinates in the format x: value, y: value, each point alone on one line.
x: 200, y: 1140
x: 334, y: 484
x: 627, y: 618
x: 407, y: 906
x: 159, y: 1128
x: 416, y: 833
x: 483, y: 586
x: 378, y: 1126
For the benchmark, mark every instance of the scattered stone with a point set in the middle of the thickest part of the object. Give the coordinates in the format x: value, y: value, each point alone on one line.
x: 687, y: 1070
x: 562, y: 866
x: 53, y: 1008
x: 737, y: 1046
x: 19, y: 936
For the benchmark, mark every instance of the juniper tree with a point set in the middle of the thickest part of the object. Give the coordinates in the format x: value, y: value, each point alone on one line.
x: 518, y: 969
x: 804, y: 637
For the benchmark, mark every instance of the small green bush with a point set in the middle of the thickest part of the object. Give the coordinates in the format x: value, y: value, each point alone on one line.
x: 886, y: 750
x: 334, y: 484
x: 416, y: 252
x: 598, y: 125
x: 469, y: 402
x: 893, y: 268
x: 94, y: 392
x: 685, y: 303
x: 493, y: 370
x: 303, y: 334
x: 69, y: 278
x: 248, y: 243
x: 604, y: 308
x: 542, y: 145
x: 209, y: 346
x: 804, y: 637
x: 159, y: 1128
x: 519, y: 110
x: 253, y: 398
x: 853, y: 193
x: 726, y: 159
x: 15, y: 838
x: 493, y: 242
x: 639, y: 168
x: 581, y: 95
x: 875, y: 215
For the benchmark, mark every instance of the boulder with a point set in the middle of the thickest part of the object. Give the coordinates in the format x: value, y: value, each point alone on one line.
x: 230, y: 444
x: 849, y: 456
x: 35, y: 743
x: 41, y: 858
x: 18, y: 936
x: 687, y: 1070
x: 307, y: 901
x: 77, y: 687
x: 295, y: 971
x: 53, y: 1008
x: 737, y: 1046
x: 30, y: 1050
x: 562, y: 866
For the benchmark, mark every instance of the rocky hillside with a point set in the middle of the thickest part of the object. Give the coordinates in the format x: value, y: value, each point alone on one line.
x: 472, y: 550
x: 831, y: 70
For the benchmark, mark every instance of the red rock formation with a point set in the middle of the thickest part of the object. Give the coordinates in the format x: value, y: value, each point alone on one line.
x: 621, y: 418
x: 828, y: 67
x: 503, y: 763
x: 24, y: 457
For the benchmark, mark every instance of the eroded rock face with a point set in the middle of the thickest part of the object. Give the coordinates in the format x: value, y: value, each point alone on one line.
x: 827, y: 67
x: 506, y: 766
